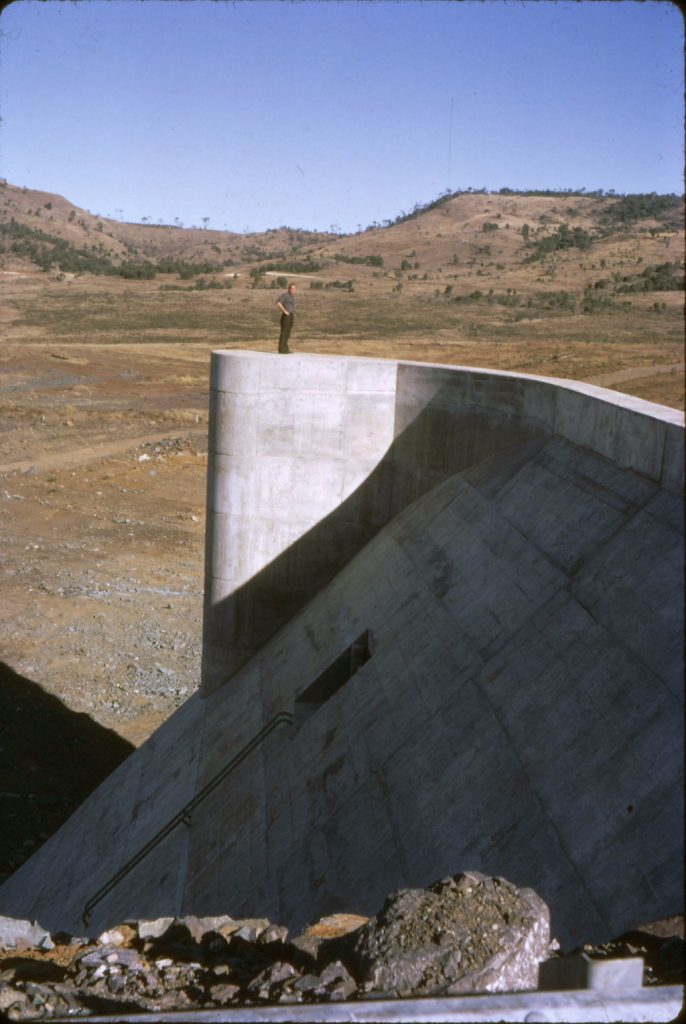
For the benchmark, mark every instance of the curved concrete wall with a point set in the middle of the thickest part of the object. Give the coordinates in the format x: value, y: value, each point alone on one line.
x: 518, y: 708
x: 321, y: 452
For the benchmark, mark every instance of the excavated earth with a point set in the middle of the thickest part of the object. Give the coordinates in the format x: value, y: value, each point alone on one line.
x: 102, y: 494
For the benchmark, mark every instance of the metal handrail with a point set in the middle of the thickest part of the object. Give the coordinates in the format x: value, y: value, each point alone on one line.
x: 184, y: 815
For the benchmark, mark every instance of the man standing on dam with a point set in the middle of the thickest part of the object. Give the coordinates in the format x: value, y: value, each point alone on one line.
x: 286, y: 303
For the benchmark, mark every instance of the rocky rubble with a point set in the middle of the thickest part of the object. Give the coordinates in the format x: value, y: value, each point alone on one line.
x: 465, y: 933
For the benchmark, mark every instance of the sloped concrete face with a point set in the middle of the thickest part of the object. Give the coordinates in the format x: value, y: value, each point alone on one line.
x: 310, y: 457
x: 517, y: 708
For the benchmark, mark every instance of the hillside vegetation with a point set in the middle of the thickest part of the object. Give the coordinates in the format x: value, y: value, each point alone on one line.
x: 517, y: 280
x: 52, y: 234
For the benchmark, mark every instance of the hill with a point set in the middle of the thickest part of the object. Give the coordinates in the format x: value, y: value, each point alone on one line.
x: 515, y: 239
x: 584, y: 286
x: 51, y: 232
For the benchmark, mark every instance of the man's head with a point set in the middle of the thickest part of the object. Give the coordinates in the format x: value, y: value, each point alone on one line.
x: 291, y: 289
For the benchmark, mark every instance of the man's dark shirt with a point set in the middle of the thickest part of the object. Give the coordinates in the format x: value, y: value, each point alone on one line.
x: 287, y: 300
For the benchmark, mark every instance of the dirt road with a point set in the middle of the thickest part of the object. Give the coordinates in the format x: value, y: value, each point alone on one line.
x: 610, y: 380
x: 91, y: 453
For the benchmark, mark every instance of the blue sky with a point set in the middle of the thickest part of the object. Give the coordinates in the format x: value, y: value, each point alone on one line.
x: 334, y: 115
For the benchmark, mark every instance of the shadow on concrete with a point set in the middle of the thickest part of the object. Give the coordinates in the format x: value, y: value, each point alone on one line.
x: 51, y: 758
x: 414, y: 464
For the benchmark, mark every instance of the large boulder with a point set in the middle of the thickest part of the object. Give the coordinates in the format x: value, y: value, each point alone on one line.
x: 466, y: 933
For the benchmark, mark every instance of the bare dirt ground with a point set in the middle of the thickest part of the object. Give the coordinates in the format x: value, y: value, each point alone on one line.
x: 103, y: 435
x: 102, y: 490
x: 102, y: 503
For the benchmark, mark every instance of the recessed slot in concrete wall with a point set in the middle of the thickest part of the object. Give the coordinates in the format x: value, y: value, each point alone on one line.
x: 333, y: 678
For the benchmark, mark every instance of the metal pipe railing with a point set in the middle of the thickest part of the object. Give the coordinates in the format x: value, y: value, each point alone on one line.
x: 184, y: 815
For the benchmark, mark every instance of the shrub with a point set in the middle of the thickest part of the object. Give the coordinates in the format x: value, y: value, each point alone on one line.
x: 137, y: 271
x: 668, y: 209
x: 368, y: 261
x: 664, y: 277
x: 560, y: 240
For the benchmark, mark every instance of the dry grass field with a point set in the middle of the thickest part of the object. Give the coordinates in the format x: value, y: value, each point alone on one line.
x: 103, y: 421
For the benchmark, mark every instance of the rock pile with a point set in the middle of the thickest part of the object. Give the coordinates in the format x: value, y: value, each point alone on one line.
x: 466, y: 933
x: 463, y: 934
x: 170, y: 964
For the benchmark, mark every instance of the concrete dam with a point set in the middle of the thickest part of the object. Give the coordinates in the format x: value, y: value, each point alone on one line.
x: 442, y: 632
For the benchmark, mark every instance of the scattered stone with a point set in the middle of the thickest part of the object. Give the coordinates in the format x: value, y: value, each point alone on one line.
x: 263, y: 985
x: 109, y: 955
x: 337, y: 981
x: 307, y: 983
x: 336, y: 925
x: 197, y: 927
x: 16, y: 934
x: 121, y: 936
x: 153, y: 929
x: 307, y: 944
x: 222, y: 994
x: 274, y: 933
x: 11, y: 997
x: 250, y: 929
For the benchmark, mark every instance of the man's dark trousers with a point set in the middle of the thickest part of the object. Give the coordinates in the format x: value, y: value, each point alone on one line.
x: 286, y: 327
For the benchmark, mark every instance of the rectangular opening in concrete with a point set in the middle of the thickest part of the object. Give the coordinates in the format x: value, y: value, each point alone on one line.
x: 333, y: 678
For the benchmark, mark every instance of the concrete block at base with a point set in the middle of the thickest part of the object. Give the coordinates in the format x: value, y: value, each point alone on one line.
x: 581, y: 972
